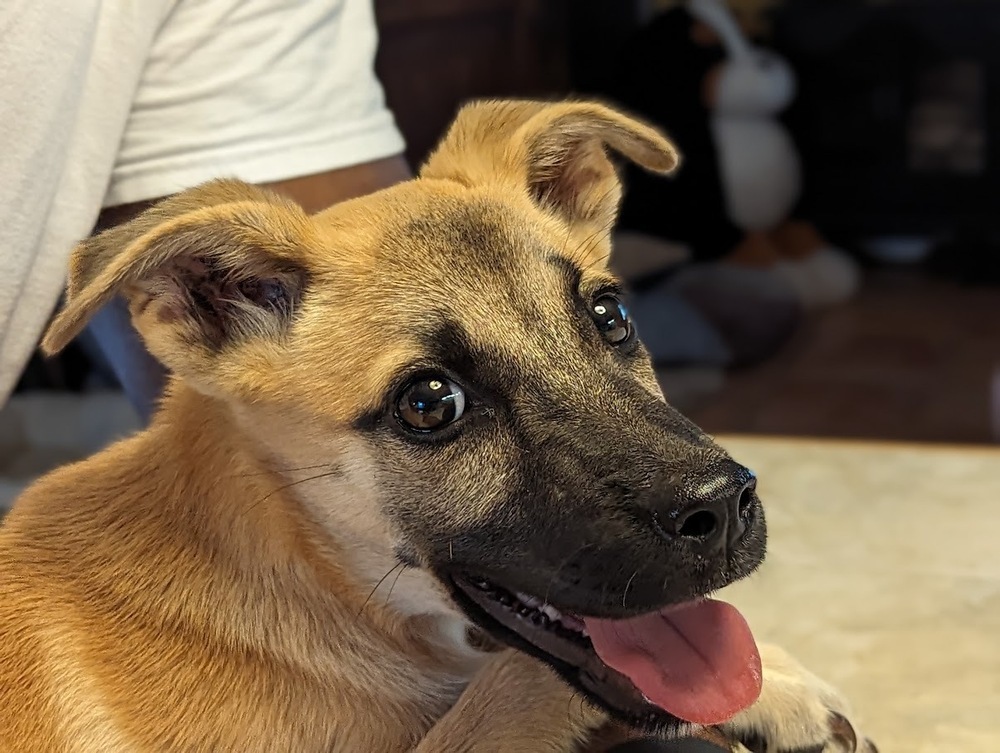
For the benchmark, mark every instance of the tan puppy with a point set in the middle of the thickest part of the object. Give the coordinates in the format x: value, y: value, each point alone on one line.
x: 402, y: 433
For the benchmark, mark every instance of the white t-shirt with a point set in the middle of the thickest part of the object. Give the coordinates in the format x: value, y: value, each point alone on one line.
x: 104, y: 102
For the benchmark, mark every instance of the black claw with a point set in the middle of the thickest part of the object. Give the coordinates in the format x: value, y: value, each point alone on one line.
x: 843, y: 732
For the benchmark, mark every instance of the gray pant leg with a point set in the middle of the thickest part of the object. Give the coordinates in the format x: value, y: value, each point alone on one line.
x: 141, y: 376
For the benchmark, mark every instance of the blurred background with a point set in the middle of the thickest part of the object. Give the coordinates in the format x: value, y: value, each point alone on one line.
x: 873, y: 120
x: 892, y: 118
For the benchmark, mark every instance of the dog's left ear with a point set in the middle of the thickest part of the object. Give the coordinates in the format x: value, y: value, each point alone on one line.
x: 555, y: 151
x: 209, y: 269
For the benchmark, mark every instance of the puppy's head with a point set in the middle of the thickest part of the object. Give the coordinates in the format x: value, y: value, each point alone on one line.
x: 455, y: 351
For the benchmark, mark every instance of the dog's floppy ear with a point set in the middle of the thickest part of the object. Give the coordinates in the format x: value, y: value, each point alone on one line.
x: 200, y: 270
x: 556, y: 151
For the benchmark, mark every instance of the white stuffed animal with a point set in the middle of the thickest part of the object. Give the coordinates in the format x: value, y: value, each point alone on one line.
x: 758, y: 162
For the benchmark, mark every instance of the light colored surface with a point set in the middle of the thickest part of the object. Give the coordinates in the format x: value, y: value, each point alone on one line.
x: 883, y: 577
x: 883, y: 574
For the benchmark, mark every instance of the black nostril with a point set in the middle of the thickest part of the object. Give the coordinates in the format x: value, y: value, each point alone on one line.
x: 746, y: 502
x: 714, y: 513
x: 700, y: 524
x: 742, y: 512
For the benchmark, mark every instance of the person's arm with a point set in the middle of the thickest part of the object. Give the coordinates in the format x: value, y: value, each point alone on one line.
x: 317, y: 192
x: 313, y: 192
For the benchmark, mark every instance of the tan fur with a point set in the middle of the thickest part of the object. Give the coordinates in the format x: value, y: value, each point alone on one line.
x: 223, y: 581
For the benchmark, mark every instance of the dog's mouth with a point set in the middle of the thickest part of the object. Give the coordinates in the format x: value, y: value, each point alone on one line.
x: 694, y: 662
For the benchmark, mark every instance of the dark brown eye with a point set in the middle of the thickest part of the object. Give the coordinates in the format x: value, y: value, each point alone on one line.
x: 430, y: 403
x: 612, y: 319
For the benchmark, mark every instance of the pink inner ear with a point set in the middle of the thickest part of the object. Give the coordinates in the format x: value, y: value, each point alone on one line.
x: 168, y: 289
x: 221, y: 302
x: 578, y: 181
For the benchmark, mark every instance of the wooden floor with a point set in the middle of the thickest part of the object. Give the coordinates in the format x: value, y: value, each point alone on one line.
x: 910, y: 359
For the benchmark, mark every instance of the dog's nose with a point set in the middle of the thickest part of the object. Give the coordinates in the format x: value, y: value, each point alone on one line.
x: 717, y: 513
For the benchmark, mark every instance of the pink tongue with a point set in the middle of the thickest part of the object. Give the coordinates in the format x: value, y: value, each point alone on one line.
x: 697, y: 661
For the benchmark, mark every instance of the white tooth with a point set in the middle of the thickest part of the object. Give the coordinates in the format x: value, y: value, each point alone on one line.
x: 530, y: 601
x: 573, y: 624
x: 551, y: 612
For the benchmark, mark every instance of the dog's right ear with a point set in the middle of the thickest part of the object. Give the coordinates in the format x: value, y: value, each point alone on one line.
x: 202, y: 271
x: 555, y: 152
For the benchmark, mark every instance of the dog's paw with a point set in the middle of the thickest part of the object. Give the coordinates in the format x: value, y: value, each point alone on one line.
x: 796, y: 713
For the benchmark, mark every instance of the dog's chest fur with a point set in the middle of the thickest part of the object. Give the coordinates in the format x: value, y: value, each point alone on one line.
x: 208, y: 652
